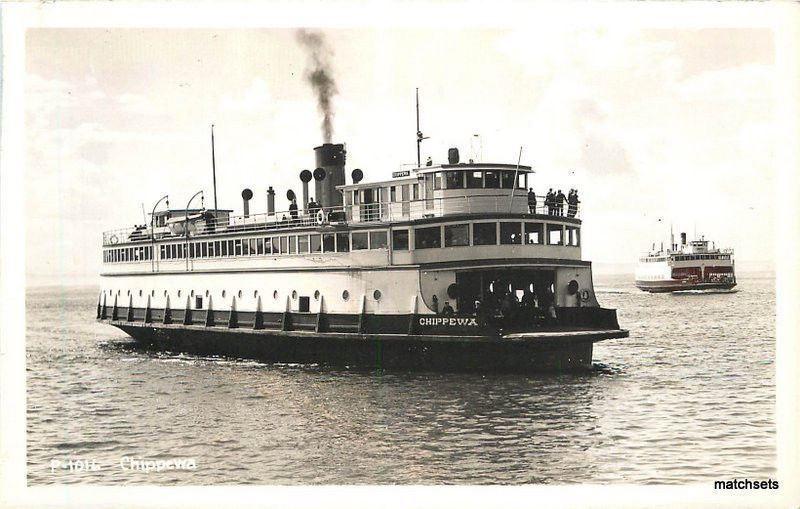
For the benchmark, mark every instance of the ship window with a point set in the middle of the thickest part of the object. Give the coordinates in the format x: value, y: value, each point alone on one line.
x: 294, y: 294
x: 245, y: 247
x: 474, y: 179
x: 456, y: 235
x: 573, y: 236
x: 360, y: 241
x: 198, y: 302
x: 437, y: 181
x: 293, y: 244
x: 179, y: 293
x: 260, y: 246
x: 342, y: 242
x: 492, y: 179
x: 304, y: 305
x: 484, y: 234
x: 507, y: 179
x: 316, y: 295
x: 284, y: 245
x: 522, y: 180
x: 328, y: 243
x: 237, y: 246
x: 511, y: 233
x: 252, y: 246
x: 218, y: 248
x: 400, y: 240
x: 534, y: 233
x: 224, y: 248
x: 204, y: 249
x: 378, y: 240
x: 415, y: 191
x: 345, y: 295
x: 454, y: 179
x: 162, y: 251
x: 356, y: 198
x: 223, y: 294
x: 316, y: 243
x: 302, y: 244
x: 230, y: 248
x: 555, y: 235
x: 240, y: 294
x: 275, y: 294
x: 376, y: 295
x: 426, y: 238
x: 173, y: 248
x: 393, y: 194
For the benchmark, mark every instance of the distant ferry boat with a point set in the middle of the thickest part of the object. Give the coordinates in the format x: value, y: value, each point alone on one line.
x: 688, y: 266
x: 443, y: 267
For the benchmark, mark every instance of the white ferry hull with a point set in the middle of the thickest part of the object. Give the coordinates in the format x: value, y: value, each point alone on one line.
x: 674, y: 285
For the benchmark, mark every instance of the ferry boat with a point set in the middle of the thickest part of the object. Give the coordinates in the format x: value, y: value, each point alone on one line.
x: 689, y: 266
x: 443, y: 267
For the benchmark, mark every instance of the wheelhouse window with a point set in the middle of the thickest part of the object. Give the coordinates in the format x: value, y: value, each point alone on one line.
x: 437, y: 181
x: 342, y: 242
x: 360, y: 241
x: 456, y: 235
x: 454, y: 179
x: 415, y: 191
x: 426, y: 238
x: 475, y: 179
x: 400, y: 240
x: 492, y: 179
x: 555, y: 235
x: 534, y: 233
x: 484, y: 234
x: 378, y: 240
x: 511, y: 233
x: 573, y: 236
x: 507, y: 179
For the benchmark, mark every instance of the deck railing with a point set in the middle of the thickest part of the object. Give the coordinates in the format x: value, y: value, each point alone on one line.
x: 354, y: 214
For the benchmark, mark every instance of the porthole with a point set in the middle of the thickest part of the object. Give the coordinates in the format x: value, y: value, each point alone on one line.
x: 179, y: 293
x: 165, y: 293
x: 377, y: 294
x: 206, y: 293
x: 275, y: 294
x: 294, y: 295
x: 223, y: 294
x: 191, y: 293
x: 152, y: 293
x: 240, y: 294
x: 140, y: 293
x: 316, y: 295
x: 129, y: 292
x: 118, y: 292
x: 345, y: 295
x: 255, y: 294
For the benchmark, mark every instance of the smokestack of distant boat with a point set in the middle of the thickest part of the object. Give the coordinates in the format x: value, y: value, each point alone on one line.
x: 683, y: 238
x: 270, y: 201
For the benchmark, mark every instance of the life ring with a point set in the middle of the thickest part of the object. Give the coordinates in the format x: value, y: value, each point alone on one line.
x: 584, y: 295
x: 321, y: 217
x: 113, y: 239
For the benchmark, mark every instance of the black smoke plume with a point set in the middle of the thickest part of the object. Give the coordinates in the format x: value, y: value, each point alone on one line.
x: 319, y: 74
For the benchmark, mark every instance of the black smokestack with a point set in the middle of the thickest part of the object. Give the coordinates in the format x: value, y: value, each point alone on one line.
x: 320, y: 75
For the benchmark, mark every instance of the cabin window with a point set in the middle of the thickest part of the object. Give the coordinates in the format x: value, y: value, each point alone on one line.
x: 456, y: 235
x: 293, y: 244
x: 218, y: 247
x: 522, y: 181
x: 302, y: 244
x: 377, y: 240
x: 328, y: 243
x: 342, y: 242
x: 203, y: 250
x: 415, y: 191
x: 492, y: 179
x: 507, y: 179
x: 454, y: 179
x: 316, y: 243
x: 304, y: 304
x: 267, y: 245
x: 252, y: 246
x: 393, y: 194
x: 534, y: 233
x: 360, y: 241
x: 555, y: 236
x: 162, y: 251
x: 484, y: 234
x: 237, y: 247
x: 356, y: 198
x: 474, y: 179
x: 437, y: 181
x: 426, y: 238
x: 573, y: 236
x: 245, y: 247
x: 511, y: 233
x: 198, y: 302
x: 284, y: 245
x: 400, y: 240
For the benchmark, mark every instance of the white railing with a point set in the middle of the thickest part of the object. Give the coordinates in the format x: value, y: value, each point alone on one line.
x: 357, y: 213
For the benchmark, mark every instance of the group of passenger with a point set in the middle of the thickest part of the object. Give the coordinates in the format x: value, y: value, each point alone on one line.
x: 312, y: 208
x: 505, y: 309
x: 554, y: 202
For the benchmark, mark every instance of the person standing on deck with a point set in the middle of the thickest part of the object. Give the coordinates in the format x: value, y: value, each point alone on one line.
x: 531, y: 201
x: 560, y: 198
x: 293, y: 209
x: 548, y: 202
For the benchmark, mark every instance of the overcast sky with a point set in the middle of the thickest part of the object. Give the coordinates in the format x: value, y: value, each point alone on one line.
x: 651, y: 126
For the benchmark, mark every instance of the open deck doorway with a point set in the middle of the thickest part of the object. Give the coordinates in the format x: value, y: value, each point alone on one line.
x: 489, y: 288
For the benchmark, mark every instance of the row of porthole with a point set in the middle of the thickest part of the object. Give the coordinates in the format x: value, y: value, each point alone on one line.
x: 345, y: 294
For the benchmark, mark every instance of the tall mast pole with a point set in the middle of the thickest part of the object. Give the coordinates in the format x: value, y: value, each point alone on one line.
x: 419, y: 133
x: 213, y: 167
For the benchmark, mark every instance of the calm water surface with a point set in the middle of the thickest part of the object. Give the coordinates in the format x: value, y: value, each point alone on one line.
x: 688, y: 397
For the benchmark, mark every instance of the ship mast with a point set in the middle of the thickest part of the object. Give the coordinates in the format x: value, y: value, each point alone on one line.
x: 420, y: 137
x: 213, y: 168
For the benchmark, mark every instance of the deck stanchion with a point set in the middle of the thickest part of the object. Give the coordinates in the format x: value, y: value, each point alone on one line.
x: 232, y: 318
x: 258, y: 319
x: 103, y: 312
x: 130, y: 308
x: 285, y: 325
x: 209, y: 313
x: 187, y: 314
x: 147, y: 317
x: 98, y: 306
x: 413, y: 319
x: 114, y: 310
x: 167, y: 318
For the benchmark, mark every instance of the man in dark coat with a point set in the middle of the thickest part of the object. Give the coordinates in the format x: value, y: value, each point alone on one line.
x: 531, y: 201
x: 548, y: 202
x: 560, y: 198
